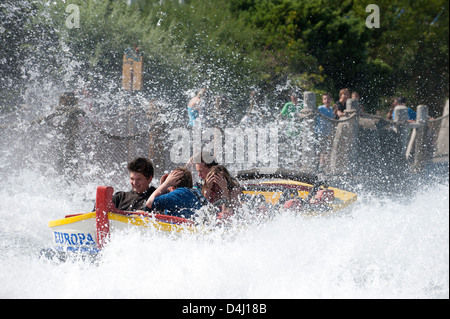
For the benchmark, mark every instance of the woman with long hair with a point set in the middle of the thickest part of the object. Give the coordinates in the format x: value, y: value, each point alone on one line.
x: 222, y: 190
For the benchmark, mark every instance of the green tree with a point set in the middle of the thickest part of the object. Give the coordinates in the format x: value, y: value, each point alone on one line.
x: 231, y: 45
x: 413, y: 41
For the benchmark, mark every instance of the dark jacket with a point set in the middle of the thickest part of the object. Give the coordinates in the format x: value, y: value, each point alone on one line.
x: 338, y: 106
x: 131, y: 201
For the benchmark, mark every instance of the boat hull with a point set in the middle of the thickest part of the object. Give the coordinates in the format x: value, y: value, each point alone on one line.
x: 90, y: 232
x: 79, y: 233
x: 274, y: 190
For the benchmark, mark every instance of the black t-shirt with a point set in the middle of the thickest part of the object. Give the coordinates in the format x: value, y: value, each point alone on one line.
x: 131, y: 201
x: 339, y: 106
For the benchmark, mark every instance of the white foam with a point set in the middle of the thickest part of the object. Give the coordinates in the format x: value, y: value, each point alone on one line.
x: 381, y: 249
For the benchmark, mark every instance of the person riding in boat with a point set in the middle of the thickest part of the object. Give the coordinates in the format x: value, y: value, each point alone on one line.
x: 203, y: 162
x: 175, y: 195
x: 221, y: 190
x: 195, y: 108
x: 141, y: 175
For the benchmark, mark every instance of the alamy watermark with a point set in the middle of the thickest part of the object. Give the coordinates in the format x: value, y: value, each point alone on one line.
x: 373, y: 19
x: 252, y: 145
x: 73, y: 20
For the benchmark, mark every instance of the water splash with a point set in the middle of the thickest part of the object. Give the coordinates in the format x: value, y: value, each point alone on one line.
x: 388, y: 246
x: 382, y: 248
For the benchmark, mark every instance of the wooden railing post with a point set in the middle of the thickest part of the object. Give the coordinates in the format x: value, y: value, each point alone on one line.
x: 308, y: 161
x: 420, y: 156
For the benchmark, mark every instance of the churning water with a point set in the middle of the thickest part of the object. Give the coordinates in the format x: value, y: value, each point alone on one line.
x: 381, y: 248
x: 384, y: 247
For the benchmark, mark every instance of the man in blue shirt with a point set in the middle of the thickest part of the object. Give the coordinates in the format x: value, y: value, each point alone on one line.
x: 402, y: 101
x: 175, y: 195
x: 324, y: 129
x: 324, y: 126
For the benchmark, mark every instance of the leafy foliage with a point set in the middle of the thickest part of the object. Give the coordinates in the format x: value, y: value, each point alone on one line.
x: 232, y: 45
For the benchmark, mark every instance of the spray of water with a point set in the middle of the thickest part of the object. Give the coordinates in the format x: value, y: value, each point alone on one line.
x: 387, y: 246
x: 382, y: 248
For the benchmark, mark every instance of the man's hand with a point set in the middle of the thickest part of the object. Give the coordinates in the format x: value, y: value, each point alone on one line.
x: 167, y: 181
x: 173, y: 179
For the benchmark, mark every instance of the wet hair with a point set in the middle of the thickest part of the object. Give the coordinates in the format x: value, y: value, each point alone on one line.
x: 206, y: 158
x: 222, y: 170
x: 141, y: 165
x: 343, y: 91
x: 186, y: 180
x: 401, y: 100
x: 356, y: 93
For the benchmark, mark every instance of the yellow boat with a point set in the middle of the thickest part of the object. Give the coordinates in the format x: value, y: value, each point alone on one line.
x: 277, y: 189
x: 302, y: 192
